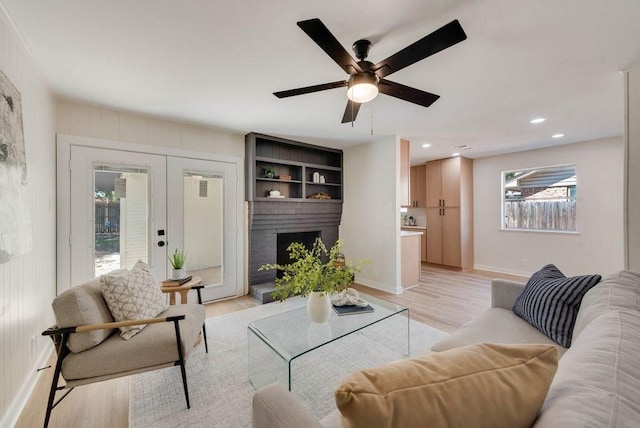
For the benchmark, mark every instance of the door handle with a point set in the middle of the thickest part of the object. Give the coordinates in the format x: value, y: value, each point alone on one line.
x: 160, y: 243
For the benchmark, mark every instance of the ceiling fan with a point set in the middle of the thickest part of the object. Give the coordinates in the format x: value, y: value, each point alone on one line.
x: 367, y: 79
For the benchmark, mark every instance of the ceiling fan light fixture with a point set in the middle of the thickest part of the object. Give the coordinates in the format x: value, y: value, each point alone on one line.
x: 362, y: 88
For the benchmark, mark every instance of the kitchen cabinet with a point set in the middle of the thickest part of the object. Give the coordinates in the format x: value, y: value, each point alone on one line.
x: 423, y: 239
x: 410, y: 266
x: 449, y: 196
x: 405, y: 184
x: 418, y: 182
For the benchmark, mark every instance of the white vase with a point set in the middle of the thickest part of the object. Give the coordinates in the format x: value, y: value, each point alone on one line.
x: 178, y: 273
x: 319, y: 307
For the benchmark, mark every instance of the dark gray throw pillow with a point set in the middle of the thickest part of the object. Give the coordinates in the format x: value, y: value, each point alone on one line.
x: 550, y: 302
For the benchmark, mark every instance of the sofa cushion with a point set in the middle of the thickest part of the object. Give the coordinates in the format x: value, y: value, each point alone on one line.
x: 618, y: 291
x: 478, y: 385
x: 550, y: 302
x: 82, y: 305
x: 495, y: 325
x: 155, y: 345
x: 133, y: 295
x: 598, y: 380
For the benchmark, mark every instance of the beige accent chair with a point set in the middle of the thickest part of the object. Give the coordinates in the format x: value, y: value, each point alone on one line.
x: 90, y: 349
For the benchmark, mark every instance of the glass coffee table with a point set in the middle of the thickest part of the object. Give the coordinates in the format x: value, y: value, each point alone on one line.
x: 275, y: 343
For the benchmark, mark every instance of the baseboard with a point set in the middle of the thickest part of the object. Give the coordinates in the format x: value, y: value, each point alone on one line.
x: 15, y: 409
x: 378, y: 285
x: 503, y: 270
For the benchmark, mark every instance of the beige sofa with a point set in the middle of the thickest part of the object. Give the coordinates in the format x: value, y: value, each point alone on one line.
x: 598, y: 378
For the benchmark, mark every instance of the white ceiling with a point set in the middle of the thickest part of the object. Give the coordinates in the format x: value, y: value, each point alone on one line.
x: 217, y: 63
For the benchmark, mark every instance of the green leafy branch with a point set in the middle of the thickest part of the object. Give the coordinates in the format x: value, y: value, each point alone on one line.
x: 315, y: 269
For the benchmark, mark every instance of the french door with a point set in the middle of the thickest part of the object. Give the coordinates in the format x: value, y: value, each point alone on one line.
x: 118, y: 212
x: 129, y: 206
x: 201, y: 201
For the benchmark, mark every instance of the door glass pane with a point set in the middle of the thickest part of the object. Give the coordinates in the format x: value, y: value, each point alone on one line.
x: 121, y: 211
x: 203, y: 226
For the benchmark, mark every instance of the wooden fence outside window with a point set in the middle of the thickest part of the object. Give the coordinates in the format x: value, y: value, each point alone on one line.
x: 540, y: 214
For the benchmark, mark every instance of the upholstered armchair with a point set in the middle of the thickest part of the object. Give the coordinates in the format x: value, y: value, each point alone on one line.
x: 89, y: 348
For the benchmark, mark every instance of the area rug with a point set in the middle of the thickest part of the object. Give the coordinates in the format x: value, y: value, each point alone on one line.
x: 219, y: 386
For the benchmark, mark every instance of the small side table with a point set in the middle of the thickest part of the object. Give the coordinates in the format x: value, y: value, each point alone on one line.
x: 183, y: 290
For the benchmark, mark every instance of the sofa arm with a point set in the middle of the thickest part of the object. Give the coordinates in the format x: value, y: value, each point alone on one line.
x: 504, y: 293
x: 275, y: 407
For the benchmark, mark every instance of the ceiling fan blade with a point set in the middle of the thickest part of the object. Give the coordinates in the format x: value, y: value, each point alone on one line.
x: 350, y: 112
x: 320, y: 34
x: 310, y: 89
x: 407, y: 93
x: 440, y: 39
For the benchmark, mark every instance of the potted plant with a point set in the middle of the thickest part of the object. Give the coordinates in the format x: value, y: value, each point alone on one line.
x: 316, y: 272
x: 177, y: 263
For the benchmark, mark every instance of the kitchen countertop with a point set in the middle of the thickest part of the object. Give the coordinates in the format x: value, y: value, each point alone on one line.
x: 414, y: 227
x: 409, y: 233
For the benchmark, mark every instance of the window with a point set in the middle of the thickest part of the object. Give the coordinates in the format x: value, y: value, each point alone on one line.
x: 540, y: 198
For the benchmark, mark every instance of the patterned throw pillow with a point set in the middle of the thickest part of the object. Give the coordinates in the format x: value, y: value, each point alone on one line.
x: 133, y: 295
x: 550, y: 302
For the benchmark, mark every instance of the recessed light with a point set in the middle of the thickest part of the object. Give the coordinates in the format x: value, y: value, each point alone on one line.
x: 537, y: 120
x: 426, y: 145
x: 455, y: 154
x: 557, y: 136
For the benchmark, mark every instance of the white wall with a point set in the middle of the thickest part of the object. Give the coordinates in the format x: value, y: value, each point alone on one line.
x: 371, y: 212
x: 598, y: 245
x: 97, y: 122
x: 632, y: 172
x: 27, y: 283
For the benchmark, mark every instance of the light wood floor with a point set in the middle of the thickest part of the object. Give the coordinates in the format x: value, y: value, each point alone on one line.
x: 444, y: 299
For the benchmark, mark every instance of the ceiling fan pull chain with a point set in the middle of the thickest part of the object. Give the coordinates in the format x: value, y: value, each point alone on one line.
x: 371, y: 106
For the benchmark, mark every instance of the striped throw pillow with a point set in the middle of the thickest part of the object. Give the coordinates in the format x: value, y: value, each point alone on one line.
x: 550, y: 302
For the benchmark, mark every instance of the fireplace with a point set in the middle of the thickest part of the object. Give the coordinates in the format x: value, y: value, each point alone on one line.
x: 273, y: 225
x: 285, y: 239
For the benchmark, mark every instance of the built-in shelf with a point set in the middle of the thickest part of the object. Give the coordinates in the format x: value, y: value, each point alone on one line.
x: 277, y: 180
x: 269, y: 158
x: 324, y: 184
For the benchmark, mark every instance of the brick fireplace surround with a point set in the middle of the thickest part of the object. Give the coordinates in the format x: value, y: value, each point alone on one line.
x: 267, y: 219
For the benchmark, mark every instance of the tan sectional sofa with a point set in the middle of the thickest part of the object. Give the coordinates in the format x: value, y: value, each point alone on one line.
x: 597, y: 382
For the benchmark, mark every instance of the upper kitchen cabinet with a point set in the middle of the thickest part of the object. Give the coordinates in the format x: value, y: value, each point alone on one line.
x: 405, y: 191
x: 450, y: 212
x: 444, y: 183
x: 418, y: 189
